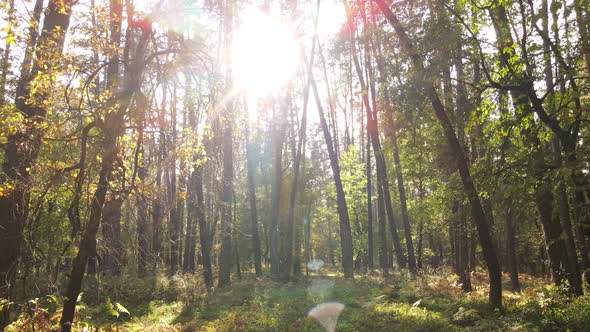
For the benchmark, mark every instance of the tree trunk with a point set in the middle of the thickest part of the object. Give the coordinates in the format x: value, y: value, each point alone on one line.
x: 143, y: 252
x: 420, y: 243
x: 204, y: 231
x: 583, y: 22
x: 188, y: 263
x: 511, y: 249
x: 225, y: 254
x: 8, y: 41
x: 173, y: 217
x: 114, y: 126
x: 372, y: 130
x: 402, y: 198
x: 111, y: 230
x: 345, y: 233
x: 573, y: 275
x: 382, y: 230
x: 253, y: 211
x: 296, y: 165
x: 226, y: 217
x: 157, y: 203
x: 277, y: 182
x: 463, y: 251
x: 370, y: 245
x: 554, y: 244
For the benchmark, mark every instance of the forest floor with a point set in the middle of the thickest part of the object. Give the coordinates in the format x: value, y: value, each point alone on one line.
x: 429, y: 302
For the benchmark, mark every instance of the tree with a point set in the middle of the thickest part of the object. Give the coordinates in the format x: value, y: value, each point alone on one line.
x: 345, y: 233
x: 22, y: 147
x: 477, y: 212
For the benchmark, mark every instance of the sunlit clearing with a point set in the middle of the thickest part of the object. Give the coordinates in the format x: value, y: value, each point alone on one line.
x: 265, y: 54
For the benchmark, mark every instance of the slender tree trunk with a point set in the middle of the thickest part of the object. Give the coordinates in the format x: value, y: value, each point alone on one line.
x: 204, y: 231
x: 180, y: 208
x: 554, y: 243
x: 512, y: 262
x: 382, y: 230
x: 236, y: 239
x: 307, y: 231
x: 371, y: 246
x: 143, y: 252
x: 157, y: 203
x: 552, y: 231
x: 345, y: 233
x: 391, y: 132
x: 583, y: 22
x: 87, y: 247
x: 9, y: 40
x: 141, y: 204
x: 188, y: 263
x: 420, y: 243
x: 463, y: 251
x: 372, y: 130
x: 173, y: 217
x: 574, y: 275
x: 111, y: 230
x: 25, y: 68
x: 277, y: 182
x: 402, y: 198
x: 228, y: 171
x: 296, y: 165
x: 253, y: 211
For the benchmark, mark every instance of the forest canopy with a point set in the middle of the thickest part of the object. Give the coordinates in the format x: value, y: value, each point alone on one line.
x: 163, y: 151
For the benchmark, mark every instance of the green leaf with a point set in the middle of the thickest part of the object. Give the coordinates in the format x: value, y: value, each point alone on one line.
x: 121, y: 309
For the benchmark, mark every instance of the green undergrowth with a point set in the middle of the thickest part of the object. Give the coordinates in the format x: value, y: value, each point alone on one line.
x: 430, y: 302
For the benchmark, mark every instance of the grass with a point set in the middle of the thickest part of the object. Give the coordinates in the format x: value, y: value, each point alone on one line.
x: 432, y: 302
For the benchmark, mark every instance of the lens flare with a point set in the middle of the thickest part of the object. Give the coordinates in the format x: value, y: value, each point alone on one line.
x: 327, y: 314
x: 315, y: 265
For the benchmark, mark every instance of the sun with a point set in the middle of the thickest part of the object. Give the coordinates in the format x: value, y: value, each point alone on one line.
x: 265, y: 54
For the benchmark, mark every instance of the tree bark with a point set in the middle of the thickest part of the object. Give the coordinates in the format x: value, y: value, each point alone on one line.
x: 296, y: 166
x: 574, y: 275
x: 204, y: 231
x: 345, y: 232
x: 511, y: 249
x: 111, y: 230
x: 143, y: 224
x: 253, y: 211
x: 370, y: 245
x: 157, y: 203
x: 173, y: 217
x: 225, y: 254
x: 277, y: 183
x: 463, y: 252
x: 8, y: 41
